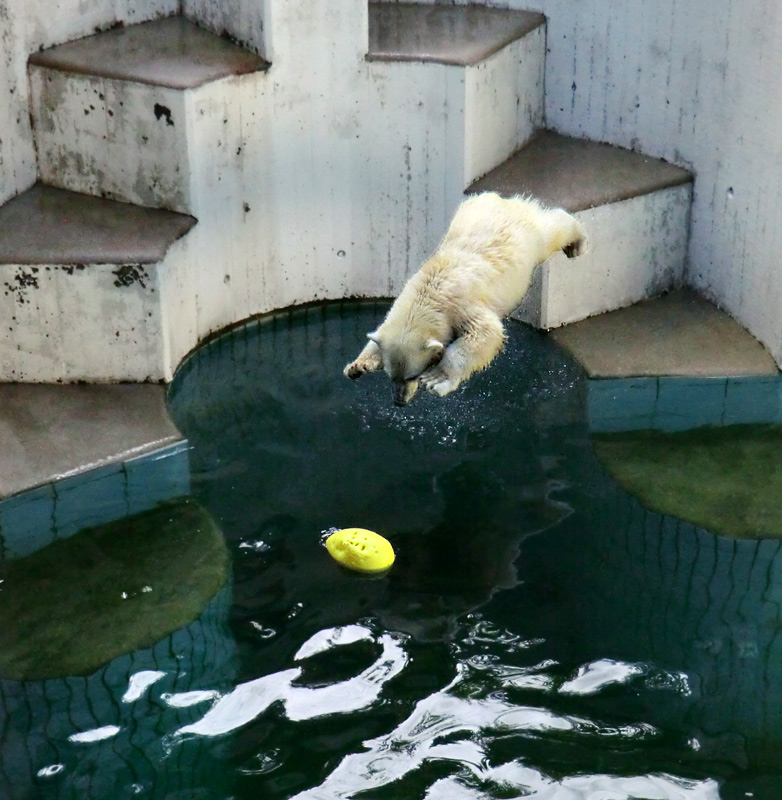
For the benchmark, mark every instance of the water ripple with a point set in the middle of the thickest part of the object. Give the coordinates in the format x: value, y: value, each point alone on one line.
x: 446, y: 727
x: 248, y: 700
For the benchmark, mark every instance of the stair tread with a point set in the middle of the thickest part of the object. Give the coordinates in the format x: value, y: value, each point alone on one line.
x: 171, y: 52
x: 51, y: 431
x: 679, y: 333
x: 45, y: 225
x: 577, y: 174
x: 460, y: 35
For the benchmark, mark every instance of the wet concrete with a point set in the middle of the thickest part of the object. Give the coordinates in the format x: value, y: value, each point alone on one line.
x: 577, y: 174
x: 52, y: 226
x: 679, y: 333
x: 460, y: 35
x: 50, y: 431
x: 172, y: 52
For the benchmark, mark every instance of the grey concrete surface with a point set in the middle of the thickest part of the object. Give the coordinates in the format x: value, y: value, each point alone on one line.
x: 460, y: 35
x: 679, y: 333
x: 50, y: 431
x: 172, y: 52
x: 577, y: 174
x: 53, y: 226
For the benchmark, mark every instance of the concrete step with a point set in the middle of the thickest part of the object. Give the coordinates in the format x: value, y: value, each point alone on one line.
x: 673, y: 363
x: 117, y: 114
x: 460, y: 85
x: 636, y: 211
x: 89, y: 287
x: 676, y: 334
x: 75, y: 456
x: 461, y: 35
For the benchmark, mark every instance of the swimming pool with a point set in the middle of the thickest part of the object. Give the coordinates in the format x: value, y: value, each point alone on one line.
x: 541, y: 634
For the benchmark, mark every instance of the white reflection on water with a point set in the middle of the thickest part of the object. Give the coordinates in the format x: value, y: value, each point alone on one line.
x: 455, y: 725
x: 250, y: 699
x: 447, y: 727
x: 187, y: 699
x: 537, y: 786
x: 94, y: 735
x: 333, y: 637
x: 139, y: 683
x: 591, y: 678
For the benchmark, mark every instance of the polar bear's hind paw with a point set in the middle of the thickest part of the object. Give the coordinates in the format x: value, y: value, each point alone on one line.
x: 438, y: 382
x: 577, y: 248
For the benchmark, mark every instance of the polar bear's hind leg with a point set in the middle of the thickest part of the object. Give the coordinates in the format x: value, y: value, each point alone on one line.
x: 565, y: 233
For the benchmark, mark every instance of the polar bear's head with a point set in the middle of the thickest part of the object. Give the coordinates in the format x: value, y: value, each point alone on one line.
x: 405, y: 358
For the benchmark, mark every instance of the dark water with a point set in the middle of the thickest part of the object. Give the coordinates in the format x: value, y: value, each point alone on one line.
x: 540, y: 635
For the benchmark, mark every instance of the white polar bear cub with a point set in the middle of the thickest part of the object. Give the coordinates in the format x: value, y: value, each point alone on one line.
x: 447, y: 321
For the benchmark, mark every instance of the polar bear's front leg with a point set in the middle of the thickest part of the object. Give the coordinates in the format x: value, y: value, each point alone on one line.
x: 369, y: 360
x: 482, y: 338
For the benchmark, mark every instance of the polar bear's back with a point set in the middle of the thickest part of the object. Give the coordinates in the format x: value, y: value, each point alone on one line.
x: 493, y: 246
x: 490, y: 221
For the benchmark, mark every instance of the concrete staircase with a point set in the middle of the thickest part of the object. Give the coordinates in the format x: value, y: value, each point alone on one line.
x: 92, y: 283
x: 165, y: 115
x: 331, y: 172
x: 88, y: 283
x: 635, y: 209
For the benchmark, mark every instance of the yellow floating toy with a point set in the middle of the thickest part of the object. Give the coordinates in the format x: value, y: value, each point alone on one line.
x: 360, y: 550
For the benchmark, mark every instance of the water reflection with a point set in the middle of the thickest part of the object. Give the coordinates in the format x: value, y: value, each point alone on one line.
x: 670, y: 403
x: 84, y: 600
x: 457, y: 727
x: 34, y: 519
x: 710, y: 606
x: 495, y: 504
x: 541, y: 634
x: 98, y: 737
x: 248, y: 700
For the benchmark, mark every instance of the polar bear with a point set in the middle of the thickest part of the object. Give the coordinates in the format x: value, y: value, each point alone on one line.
x: 446, y: 323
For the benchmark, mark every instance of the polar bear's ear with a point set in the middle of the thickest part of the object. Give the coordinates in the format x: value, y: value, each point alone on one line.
x: 374, y: 336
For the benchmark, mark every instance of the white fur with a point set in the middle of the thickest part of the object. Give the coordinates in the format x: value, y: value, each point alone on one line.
x: 447, y: 321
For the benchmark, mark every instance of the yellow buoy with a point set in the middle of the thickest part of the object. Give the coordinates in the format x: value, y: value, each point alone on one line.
x: 360, y: 550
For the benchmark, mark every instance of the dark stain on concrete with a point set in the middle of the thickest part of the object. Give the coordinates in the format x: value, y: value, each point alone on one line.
x: 163, y: 112
x: 21, y: 282
x: 128, y: 274
x: 70, y: 268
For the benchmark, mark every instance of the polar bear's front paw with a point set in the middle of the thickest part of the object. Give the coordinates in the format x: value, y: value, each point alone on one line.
x: 361, y: 365
x: 438, y: 381
x: 354, y: 370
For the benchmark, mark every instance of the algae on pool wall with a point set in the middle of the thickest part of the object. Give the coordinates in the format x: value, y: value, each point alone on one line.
x: 727, y: 480
x: 108, y: 590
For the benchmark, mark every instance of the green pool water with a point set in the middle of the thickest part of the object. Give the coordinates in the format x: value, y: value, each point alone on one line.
x: 542, y: 633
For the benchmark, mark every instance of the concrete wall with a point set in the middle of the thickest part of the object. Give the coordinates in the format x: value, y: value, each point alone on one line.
x: 696, y: 83
x: 28, y: 26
